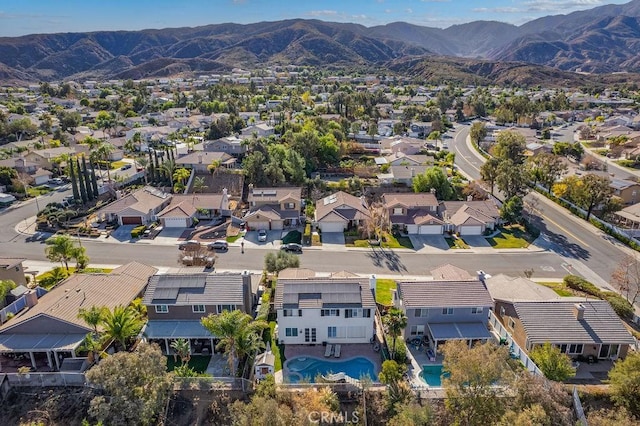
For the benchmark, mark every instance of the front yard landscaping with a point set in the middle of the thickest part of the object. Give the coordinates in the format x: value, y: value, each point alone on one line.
x: 388, y: 241
x: 38, y: 190
x: 456, y: 243
x: 49, y: 279
x: 116, y: 165
x: 383, y: 291
x: 198, y: 363
x: 511, y: 236
x: 560, y: 288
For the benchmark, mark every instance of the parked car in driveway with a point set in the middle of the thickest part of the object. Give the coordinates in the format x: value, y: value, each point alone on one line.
x: 291, y: 247
x: 262, y: 235
x: 218, y: 245
x: 189, y: 245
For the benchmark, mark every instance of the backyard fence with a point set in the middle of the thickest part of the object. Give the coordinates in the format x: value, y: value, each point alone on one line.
x: 210, y: 383
x: 47, y: 379
x: 577, y: 408
x: 516, y: 351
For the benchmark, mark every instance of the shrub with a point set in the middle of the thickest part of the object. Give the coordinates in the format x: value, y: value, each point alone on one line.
x: 577, y: 283
x: 620, y: 305
x: 137, y: 231
x: 400, y: 353
x: 307, y: 234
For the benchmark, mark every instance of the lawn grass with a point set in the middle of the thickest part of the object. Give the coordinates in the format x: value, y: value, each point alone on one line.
x: 456, y: 243
x: 513, y: 236
x: 233, y: 238
x: 269, y: 336
x: 43, y: 278
x: 560, y: 288
x: 37, y: 191
x: 383, y: 291
x: 116, y: 165
x: 389, y: 241
x: 198, y: 363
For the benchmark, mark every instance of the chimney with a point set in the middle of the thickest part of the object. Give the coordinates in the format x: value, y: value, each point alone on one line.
x: 373, y: 281
x: 395, y: 300
x: 578, y: 311
x: 413, y: 172
x: 31, y: 298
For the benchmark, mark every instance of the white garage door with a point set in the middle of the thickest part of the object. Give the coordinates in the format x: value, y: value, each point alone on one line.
x: 254, y: 226
x: 471, y: 230
x: 412, y: 229
x: 431, y: 229
x: 175, y: 222
x: 331, y: 226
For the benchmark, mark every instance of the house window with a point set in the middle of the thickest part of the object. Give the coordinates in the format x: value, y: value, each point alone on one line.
x: 330, y: 313
x: 222, y: 308
x: 291, y: 312
x: 421, y: 313
x: 512, y: 323
x: 563, y: 348
x: 332, y: 332
x: 447, y: 311
x: 162, y: 309
x: 397, y: 210
x: 417, y: 330
x: 575, y: 349
x: 366, y: 313
x: 477, y: 310
x: 198, y: 309
x: 291, y: 332
x: 290, y: 205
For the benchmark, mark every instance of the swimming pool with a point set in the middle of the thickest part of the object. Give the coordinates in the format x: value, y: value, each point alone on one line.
x: 432, y: 375
x: 307, y: 368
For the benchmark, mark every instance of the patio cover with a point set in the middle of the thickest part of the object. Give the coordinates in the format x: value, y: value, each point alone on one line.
x: 40, y: 342
x: 459, y: 330
x: 176, y: 329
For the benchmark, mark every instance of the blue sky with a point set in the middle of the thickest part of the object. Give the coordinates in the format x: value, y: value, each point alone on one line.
x: 19, y: 17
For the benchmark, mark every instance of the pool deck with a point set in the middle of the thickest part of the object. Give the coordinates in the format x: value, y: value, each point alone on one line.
x: 347, y: 351
x: 418, y: 358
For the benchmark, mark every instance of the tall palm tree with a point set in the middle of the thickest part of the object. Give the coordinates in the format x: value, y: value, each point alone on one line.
x: 181, y: 175
x: 199, y: 184
x: 121, y: 324
x: 183, y: 349
x: 214, y: 167
x: 60, y: 248
x: 234, y: 329
x: 103, y: 152
x: 92, y: 316
x: 395, y: 322
x: 168, y: 167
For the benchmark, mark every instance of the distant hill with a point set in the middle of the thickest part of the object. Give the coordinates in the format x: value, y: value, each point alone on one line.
x: 601, y: 40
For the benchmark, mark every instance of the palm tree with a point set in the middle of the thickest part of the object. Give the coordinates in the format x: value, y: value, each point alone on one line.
x: 60, y: 248
x: 93, y: 345
x: 395, y: 322
x: 92, y: 316
x: 103, y: 152
x: 181, y: 175
x: 214, y: 167
x: 183, y: 350
x: 378, y: 221
x: 234, y: 329
x: 199, y: 184
x: 168, y: 167
x: 121, y: 324
x: 248, y: 343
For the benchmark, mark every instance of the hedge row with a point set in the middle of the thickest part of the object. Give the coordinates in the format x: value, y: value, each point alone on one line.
x: 620, y: 305
x: 137, y: 231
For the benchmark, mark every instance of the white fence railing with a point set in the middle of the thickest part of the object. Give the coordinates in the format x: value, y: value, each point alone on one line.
x: 515, y: 349
x: 47, y: 379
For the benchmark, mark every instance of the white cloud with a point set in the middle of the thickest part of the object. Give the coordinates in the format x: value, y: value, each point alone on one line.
x: 323, y: 13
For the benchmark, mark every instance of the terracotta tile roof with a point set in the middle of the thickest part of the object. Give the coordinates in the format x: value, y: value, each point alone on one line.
x: 182, y: 209
x: 409, y: 200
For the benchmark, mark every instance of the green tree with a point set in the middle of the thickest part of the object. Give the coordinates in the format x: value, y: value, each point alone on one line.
x: 545, y: 169
x: 511, y: 210
x: 276, y: 262
x: 413, y: 414
x: 199, y: 184
x: 478, y: 132
x: 595, y: 190
x: 121, y: 324
x: 60, y: 248
x: 230, y: 327
x: 510, y: 145
x: 104, y: 151
x: 81, y: 182
x: 395, y: 321
x: 74, y: 182
x: 135, y: 386
x: 478, y: 382
x: 87, y: 179
x: 554, y: 364
x: 182, y: 347
x: 434, y: 178
x: 5, y: 287
x: 92, y: 316
x: 624, y: 383
x: 398, y: 392
x: 295, y: 167
x: 252, y: 166
x: 489, y: 172
x: 511, y: 179
x: 181, y: 175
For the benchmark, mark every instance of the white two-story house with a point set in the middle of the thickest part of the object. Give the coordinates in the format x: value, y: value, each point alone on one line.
x: 319, y: 310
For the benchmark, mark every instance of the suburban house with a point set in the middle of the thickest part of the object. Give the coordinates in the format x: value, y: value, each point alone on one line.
x: 627, y: 190
x: 402, y: 159
x: 401, y: 174
x: 504, y: 288
x: 420, y: 129
x: 340, y: 211
x: 273, y: 208
x: 402, y: 144
x: 318, y: 310
x: 469, y: 217
x: 44, y: 157
x: 20, y: 164
x: 579, y: 328
x: 178, y: 215
x: 414, y: 213
x: 438, y: 311
x: 629, y: 218
x: 262, y: 130
x: 41, y: 176
x: 176, y: 303
x: 11, y: 269
x: 200, y: 160
x: 50, y: 330
x: 231, y: 145
x: 138, y: 208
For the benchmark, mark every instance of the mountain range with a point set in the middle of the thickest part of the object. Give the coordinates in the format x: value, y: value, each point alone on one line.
x: 601, y: 40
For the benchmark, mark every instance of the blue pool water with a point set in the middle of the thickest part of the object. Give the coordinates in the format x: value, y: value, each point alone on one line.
x: 308, y: 368
x: 432, y: 375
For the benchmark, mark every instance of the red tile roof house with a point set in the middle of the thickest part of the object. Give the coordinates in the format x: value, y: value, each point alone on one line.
x: 414, y: 213
x: 138, y: 208
x: 50, y: 330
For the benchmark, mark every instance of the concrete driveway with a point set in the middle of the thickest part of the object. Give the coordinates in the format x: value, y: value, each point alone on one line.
x: 251, y: 239
x: 333, y: 241
x: 123, y: 233
x: 476, y: 241
x: 429, y: 243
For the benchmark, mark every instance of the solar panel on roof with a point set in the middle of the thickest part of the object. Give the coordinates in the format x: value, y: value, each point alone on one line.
x: 166, y: 293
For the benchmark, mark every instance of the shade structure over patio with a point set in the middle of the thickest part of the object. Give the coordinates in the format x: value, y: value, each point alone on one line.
x: 171, y: 330
x: 47, y: 343
x: 468, y: 331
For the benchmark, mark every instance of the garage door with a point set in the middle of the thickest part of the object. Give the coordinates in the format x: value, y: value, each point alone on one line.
x: 431, y: 229
x: 131, y: 220
x: 258, y: 225
x: 471, y: 230
x: 175, y: 222
x: 332, y: 226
